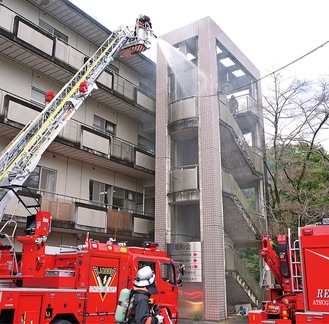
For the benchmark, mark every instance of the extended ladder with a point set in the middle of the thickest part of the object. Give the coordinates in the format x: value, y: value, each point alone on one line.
x: 23, y: 153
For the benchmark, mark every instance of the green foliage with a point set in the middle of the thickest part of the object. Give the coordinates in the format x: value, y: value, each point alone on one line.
x: 302, y: 184
x: 250, y: 258
x: 196, y: 317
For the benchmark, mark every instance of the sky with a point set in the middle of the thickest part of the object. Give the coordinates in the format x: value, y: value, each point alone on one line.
x: 272, y: 34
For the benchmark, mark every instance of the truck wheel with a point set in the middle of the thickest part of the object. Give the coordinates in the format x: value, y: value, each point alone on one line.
x: 61, y: 321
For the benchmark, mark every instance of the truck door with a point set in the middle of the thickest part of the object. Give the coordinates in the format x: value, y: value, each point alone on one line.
x: 167, y: 285
x: 102, y: 291
x: 165, y: 279
x: 28, y: 309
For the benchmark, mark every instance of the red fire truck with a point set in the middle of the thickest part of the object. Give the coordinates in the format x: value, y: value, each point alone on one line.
x: 300, y: 268
x: 79, y: 284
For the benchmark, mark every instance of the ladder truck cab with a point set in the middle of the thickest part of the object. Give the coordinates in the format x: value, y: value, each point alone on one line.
x: 79, y: 284
x: 301, y: 271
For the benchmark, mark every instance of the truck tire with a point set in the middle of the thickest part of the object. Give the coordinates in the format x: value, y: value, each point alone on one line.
x: 61, y: 321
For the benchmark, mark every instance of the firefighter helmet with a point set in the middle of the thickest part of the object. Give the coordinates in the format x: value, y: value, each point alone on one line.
x: 144, y: 277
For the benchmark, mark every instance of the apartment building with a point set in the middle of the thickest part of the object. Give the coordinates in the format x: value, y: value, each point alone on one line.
x: 202, y: 197
x: 210, y: 200
x: 98, y: 175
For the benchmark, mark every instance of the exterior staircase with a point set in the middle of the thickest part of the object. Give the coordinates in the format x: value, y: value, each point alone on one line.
x: 241, y: 286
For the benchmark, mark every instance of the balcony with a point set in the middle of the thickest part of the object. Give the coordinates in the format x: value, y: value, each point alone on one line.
x: 184, y: 184
x: 248, y: 114
x: 79, y: 141
x: 77, y: 215
x: 33, y: 47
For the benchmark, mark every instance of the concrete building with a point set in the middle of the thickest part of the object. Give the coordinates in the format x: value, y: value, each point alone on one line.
x: 209, y: 141
x: 98, y: 175
x: 102, y: 175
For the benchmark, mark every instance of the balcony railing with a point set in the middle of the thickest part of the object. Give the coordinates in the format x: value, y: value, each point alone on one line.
x: 184, y: 178
x: 82, y: 214
x: 247, y: 103
x: 85, y: 136
x: 183, y: 109
x: 59, y: 50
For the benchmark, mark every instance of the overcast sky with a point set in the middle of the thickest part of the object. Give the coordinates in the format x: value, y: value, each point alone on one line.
x: 270, y: 33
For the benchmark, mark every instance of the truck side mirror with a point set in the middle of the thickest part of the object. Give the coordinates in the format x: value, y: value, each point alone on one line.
x: 181, y: 273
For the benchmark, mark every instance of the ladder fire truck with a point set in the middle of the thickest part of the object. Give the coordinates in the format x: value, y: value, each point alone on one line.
x: 300, y: 268
x: 81, y: 284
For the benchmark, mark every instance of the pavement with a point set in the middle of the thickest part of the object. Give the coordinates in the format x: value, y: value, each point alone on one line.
x: 231, y: 319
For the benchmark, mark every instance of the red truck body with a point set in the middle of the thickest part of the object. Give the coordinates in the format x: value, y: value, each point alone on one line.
x: 301, y: 271
x: 77, y: 285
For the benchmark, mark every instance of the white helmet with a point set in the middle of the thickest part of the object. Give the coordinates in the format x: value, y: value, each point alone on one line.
x: 144, y: 277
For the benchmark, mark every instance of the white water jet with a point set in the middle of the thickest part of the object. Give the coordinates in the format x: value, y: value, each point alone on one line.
x: 185, y: 71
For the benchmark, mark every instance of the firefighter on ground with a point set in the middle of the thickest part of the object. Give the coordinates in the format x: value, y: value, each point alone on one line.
x: 139, y: 307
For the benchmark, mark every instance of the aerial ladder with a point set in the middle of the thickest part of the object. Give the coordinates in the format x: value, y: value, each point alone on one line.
x: 23, y: 153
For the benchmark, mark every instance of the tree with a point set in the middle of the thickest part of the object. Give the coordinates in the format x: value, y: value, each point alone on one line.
x: 297, y: 164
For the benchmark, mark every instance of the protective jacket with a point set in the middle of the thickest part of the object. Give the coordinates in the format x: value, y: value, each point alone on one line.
x: 140, y: 312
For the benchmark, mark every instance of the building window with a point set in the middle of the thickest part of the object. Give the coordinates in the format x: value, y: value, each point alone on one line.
x: 99, y: 192
x: 53, y: 31
x: 38, y: 96
x: 149, y: 200
x: 147, y: 85
x: 118, y: 197
x: 128, y: 200
x: 104, y: 124
x: 113, y: 68
x: 43, y: 179
x: 146, y: 144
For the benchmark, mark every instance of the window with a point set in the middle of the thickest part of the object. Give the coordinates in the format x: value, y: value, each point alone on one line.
x: 144, y: 263
x: 113, y: 68
x: 127, y: 199
x: 103, y: 124
x: 99, y: 192
x: 53, y: 31
x: 43, y: 179
x: 147, y: 85
x: 168, y: 273
x: 149, y: 200
x: 146, y: 144
x: 38, y: 96
x: 118, y: 197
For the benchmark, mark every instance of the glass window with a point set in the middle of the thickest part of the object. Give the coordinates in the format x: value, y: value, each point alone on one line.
x: 149, y: 200
x: 147, y: 85
x: 144, y: 263
x: 139, y: 203
x: 33, y: 180
x: 53, y: 31
x: 48, y: 180
x: 168, y: 273
x: 129, y: 200
x: 99, y: 192
x: 146, y: 144
x: 103, y: 124
x: 42, y: 178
